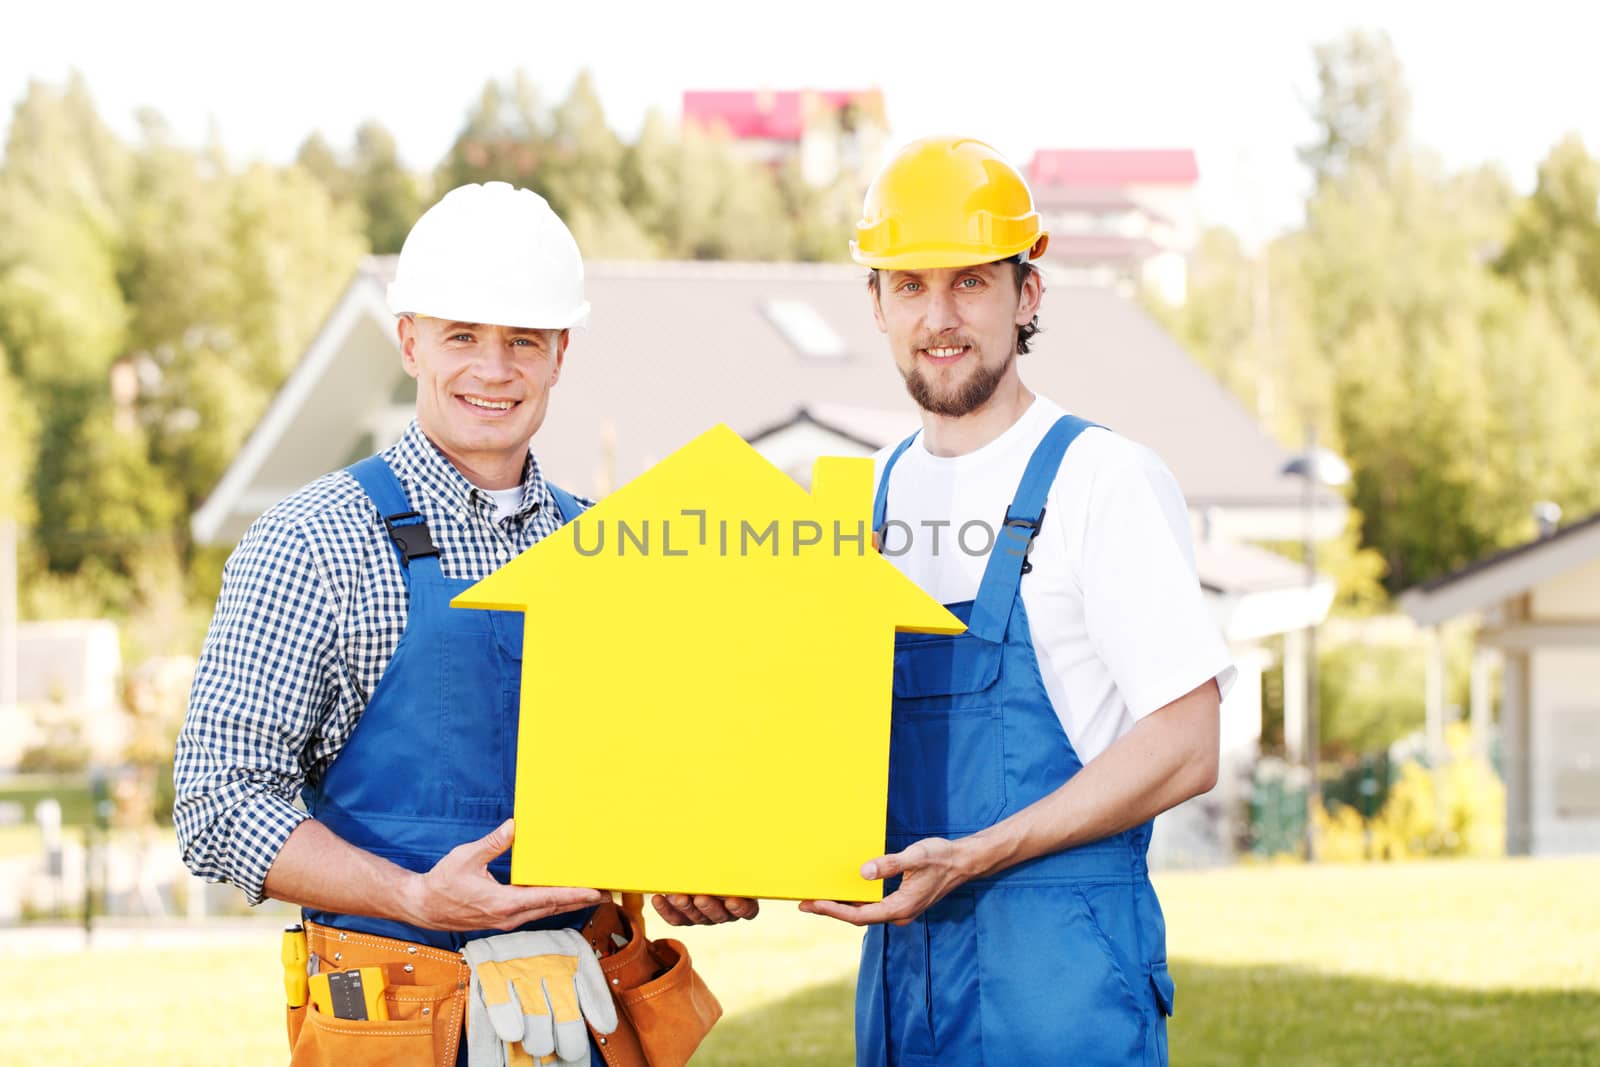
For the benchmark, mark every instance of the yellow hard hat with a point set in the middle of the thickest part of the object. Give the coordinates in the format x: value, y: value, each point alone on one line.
x: 946, y: 202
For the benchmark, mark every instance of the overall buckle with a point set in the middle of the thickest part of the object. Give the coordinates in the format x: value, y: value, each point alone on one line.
x: 411, y: 538
x: 1032, y: 526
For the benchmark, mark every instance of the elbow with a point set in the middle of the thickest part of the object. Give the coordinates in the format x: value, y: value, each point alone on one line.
x: 1203, y: 770
x: 1205, y: 758
x: 1201, y: 765
x: 1205, y: 761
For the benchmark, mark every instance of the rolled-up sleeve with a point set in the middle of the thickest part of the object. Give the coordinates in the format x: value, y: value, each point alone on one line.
x: 264, y: 682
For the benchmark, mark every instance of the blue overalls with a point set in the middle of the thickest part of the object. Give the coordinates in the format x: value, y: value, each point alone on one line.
x: 431, y: 764
x: 1058, y: 960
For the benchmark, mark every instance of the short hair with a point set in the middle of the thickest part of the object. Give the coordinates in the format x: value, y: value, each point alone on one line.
x: 1020, y: 269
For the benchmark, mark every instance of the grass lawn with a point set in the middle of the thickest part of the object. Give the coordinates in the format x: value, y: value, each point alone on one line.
x: 1430, y: 963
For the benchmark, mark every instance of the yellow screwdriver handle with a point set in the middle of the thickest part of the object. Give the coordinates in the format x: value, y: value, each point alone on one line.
x: 295, y: 954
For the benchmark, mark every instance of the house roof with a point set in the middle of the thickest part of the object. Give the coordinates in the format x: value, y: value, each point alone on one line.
x: 1225, y: 568
x: 776, y: 116
x: 1101, y: 248
x: 1091, y: 200
x: 676, y: 347
x: 1504, y: 574
x: 1113, y: 166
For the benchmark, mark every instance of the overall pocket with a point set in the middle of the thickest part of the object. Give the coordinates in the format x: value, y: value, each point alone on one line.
x: 478, y: 707
x: 1052, y: 988
x: 1162, y: 986
x: 947, y: 770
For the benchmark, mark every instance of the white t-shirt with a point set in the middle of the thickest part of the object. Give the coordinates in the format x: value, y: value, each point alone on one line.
x: 506, y: 501
x: 1119, y: 623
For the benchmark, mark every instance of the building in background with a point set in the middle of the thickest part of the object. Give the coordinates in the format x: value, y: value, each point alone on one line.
x: 68, y: 696
x: 788, y: 355
x: 1122, y: 217
x: 827, y: 133
x: 1537, y: 608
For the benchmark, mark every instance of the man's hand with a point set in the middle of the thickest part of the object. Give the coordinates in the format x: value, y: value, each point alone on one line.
x: 680, y: 909
x: 459, y: 893
x: 929, y: 870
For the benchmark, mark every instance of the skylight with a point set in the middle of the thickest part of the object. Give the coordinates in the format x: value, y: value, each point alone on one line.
x: 805, y: 330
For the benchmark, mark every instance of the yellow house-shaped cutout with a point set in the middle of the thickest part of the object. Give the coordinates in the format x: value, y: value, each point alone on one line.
x: 708, y: 657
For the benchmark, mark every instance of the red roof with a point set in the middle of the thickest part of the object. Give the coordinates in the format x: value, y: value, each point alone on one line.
x: 772, y: 116
x: 1113, y: 166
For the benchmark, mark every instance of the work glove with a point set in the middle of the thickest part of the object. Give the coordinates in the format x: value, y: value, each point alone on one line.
x: 535, y: 988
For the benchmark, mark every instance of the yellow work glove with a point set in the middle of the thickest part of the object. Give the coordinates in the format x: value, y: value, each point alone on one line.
x: 535, y: 988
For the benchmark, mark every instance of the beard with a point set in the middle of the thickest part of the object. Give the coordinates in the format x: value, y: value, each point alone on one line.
x: 964, y: 397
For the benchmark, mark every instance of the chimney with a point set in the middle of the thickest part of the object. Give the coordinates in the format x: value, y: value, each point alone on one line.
x: 1547, y: 517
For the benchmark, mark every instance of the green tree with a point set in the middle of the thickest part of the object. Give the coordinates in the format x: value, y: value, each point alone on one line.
x: 582, y: 177
x: 1362, y: 109
x: 18, y: 433
x: 63, y: 189
x: 320, y: 159
x: 1559, y: 223
x: 99, y: 493
x: 503, y: 138
x: 386, y: 192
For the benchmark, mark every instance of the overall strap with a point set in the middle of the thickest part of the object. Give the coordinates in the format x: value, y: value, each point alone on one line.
x: 881, y: 504
x: 566, y: 503
x: 1008, y: 559
x: 408, y: 533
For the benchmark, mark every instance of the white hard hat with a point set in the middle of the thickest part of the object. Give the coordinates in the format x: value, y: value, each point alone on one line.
x: 493, y: 254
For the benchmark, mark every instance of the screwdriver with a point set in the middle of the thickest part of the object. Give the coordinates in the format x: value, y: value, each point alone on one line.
x: 294, y: 955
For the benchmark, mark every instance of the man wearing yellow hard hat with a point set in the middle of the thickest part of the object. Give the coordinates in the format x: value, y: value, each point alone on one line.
x: 336, y: 669
x: 1029, y: 754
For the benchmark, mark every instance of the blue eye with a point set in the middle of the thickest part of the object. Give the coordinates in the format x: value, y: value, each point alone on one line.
x: 969, y: 282
x: 461, y: 337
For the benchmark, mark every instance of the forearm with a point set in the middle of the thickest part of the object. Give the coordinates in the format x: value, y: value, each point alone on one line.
x: 317, y: 869
x: 1168, y: 757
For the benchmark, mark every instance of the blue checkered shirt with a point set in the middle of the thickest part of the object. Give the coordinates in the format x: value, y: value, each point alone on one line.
x: 312, y: 607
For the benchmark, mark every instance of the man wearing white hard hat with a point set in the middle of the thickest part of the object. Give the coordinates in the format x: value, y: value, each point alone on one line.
x: 335, y: 669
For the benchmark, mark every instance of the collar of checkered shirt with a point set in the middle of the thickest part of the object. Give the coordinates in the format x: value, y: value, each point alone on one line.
x: 416, y: 458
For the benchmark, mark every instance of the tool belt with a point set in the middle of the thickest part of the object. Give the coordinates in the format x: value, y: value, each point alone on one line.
x: 664, y: 1009
x: 663, y: 1006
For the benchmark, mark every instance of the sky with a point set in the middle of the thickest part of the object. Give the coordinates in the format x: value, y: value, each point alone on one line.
x: 1231, y: 79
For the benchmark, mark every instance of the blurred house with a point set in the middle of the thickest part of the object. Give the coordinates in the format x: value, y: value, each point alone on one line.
x: 1538, y: 610
x: 829, y: 133
x: 68, y: 691
x: 788, y: 355
x: 1122, y: 217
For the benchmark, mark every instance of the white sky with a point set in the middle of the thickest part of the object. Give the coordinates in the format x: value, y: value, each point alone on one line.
x: 1229, y: 79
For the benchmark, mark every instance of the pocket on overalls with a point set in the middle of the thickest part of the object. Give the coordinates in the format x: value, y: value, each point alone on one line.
x: 1054, y: 989
x: 946, y: 746
x: 947, y: 769
x: 478, y: 718
x: 423, y: 1030
x: 1161, y: 985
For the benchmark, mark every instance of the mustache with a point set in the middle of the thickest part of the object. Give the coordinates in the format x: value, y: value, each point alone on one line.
x: 944, y: 340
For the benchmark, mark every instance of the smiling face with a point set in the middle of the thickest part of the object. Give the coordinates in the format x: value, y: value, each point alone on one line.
x: 953, y: 331
x: 482, y: 391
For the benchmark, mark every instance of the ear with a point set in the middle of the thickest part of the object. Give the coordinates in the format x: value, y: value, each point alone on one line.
x: 406, y: 327
x: 562, y: 339
x: 1029, y: 299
